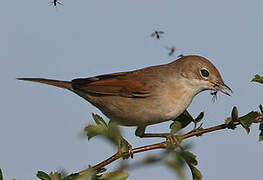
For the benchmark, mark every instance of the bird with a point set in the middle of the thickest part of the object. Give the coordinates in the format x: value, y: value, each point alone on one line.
x: 146, y: 96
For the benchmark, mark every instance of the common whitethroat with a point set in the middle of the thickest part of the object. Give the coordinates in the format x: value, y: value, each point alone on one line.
x: 146, y: 96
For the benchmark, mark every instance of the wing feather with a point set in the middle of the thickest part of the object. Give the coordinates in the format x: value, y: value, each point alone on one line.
x: 117, y: 84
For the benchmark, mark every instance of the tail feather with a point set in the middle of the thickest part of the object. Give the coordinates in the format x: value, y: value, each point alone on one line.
x: 57, y: 83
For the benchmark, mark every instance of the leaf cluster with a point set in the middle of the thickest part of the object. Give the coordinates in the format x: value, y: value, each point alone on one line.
x: 258, y: 79
x: 90, y: 174
x: 245, y: 121
x: 184, y: 120
x: 101, y: 128
x: 178, y: 160
x: 112, y: 133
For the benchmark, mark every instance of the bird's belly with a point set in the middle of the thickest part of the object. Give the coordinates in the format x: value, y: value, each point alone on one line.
x: 140, y: 111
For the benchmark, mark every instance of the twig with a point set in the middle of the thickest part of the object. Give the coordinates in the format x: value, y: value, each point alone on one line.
x: 119, y: 154
x: 163, y: 145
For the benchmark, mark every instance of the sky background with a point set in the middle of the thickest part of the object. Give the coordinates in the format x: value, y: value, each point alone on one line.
x: 41, y: 126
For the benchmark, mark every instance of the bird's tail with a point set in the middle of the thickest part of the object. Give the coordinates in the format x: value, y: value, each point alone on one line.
x: 57, y: 83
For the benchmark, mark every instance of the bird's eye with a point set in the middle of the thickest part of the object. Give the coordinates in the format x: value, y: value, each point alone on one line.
x: 204, y: 73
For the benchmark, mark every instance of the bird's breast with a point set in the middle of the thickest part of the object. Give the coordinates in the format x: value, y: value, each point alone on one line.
x: 178, y: 100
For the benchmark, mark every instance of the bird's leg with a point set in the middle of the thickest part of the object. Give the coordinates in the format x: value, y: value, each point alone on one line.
x: 140, y: 132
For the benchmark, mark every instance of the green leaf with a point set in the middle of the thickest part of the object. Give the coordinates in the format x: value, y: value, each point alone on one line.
x: 234, y: 118
x: 1, y: 175
x: 99, y: 120
x: 101, y: 170
x: 149, y: 159
x: 72, y: 177
x: 95, y: 130
x: 176, y: 163
x: 258, y: 79
x: 178, y: 160
x: 199, y: 117
x: 261, y: 126
x: 234, y: 114
x: 118, y: 175
x: 246, y: 120
x: 261, y: 108
x: 114, y: 133
x: 196, y: 174
x: 55, y: 176
x: 260, y: 136
x: 63, y: 173
x: 190, y: 159
x: 261, y: 132
x: 228, y: 120
x: 124, y: 147
x: 89, y: 174
x: 175, y: 127
x: 43, y: 176
x: 109, y: 131
x: 181, y: 122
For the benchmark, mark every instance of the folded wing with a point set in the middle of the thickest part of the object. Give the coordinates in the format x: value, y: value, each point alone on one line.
x: 117, y: 84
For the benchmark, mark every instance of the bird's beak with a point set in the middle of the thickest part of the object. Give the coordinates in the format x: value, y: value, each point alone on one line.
x: 223, y: 88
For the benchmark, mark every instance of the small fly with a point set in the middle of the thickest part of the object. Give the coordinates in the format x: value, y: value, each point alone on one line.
x: 55, y: 3
x: 157, y: 34
x: 171, y: 50
x: 214, y: 94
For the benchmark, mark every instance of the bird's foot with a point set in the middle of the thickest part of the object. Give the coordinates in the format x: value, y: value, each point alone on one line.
x: 173, y: 141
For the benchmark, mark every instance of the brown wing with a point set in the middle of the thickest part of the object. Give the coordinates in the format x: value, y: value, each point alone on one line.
x: 117, y: 84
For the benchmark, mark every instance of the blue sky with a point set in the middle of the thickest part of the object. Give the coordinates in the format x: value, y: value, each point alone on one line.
x: 41, y: 125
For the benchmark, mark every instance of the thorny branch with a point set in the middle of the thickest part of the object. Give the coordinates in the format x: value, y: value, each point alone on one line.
x: 163, y: 145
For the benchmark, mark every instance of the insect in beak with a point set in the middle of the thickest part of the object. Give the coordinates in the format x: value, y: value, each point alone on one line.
x: 214, y: 94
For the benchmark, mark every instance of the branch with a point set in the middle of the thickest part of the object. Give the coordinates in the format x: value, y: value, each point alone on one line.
x: 163, y: 145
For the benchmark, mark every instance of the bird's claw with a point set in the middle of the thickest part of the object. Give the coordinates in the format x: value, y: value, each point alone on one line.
x: 173, y: 141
